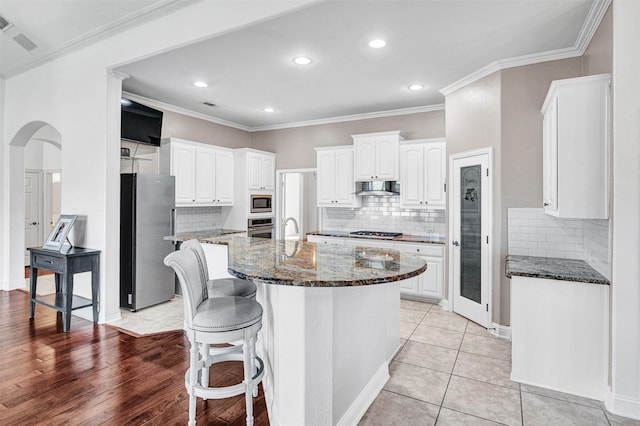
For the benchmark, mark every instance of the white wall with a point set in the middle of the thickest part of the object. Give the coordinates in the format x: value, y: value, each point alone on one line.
x: 625, y: 363
x: 79, y: 97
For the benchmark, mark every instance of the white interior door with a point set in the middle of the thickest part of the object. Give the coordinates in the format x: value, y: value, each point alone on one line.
x: 32, y: 212
x: 470, y: 220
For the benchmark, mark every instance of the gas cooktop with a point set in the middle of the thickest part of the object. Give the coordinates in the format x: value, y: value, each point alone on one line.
x: 376, y: 234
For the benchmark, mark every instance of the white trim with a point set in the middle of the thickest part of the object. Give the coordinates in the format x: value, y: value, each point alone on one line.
x: 354, y: 117
x: 489, y: 195
x: 168, y: 107
x: 621, y: 405
x: 362, y: 402
x: 503, y: 331
x: 154, y: 11
x: 591, y: 23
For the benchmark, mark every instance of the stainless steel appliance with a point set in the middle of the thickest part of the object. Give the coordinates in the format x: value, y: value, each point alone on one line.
x: 261, y: 203
x: 376, y: 234
x: 260, y: 228
x: 377, y: 188
x: 146, y: 217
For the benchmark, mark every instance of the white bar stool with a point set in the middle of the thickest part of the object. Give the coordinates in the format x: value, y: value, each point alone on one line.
x: 220, y: 286
x: 216, y: 320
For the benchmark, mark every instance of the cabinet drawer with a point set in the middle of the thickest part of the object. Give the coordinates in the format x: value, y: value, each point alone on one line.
x: 51, y: 263
x: 434, y: 250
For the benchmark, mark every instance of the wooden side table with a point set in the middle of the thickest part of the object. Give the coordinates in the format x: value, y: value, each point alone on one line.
x: 65, y: 265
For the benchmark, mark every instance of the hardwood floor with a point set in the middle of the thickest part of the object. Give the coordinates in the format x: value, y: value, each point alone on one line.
x: 96, y: 375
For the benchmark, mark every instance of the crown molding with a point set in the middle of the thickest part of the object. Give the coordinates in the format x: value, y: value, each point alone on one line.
x: 183, y: 111
x: 354, y: 117
x: 591, y: 23
x: 142, y: 16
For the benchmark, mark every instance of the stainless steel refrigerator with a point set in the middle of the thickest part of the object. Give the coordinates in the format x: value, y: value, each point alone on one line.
x: 146, y: 216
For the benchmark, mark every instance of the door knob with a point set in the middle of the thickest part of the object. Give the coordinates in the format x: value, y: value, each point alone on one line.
x: 455, y: 243
x: 34, y: 223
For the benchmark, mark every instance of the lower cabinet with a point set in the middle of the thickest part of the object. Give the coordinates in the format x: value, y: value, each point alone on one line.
x: 428, y: 285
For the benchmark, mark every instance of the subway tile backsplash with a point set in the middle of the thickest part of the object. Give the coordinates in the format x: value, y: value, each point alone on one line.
x: 531, y: 232
x: 194, y: 219
x: 384, y: 214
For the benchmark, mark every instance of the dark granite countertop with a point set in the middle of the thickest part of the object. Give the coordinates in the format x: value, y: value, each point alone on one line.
x: 553, y: 269
x: 200, y: 235
x: 307, y: 264
x: 434, y: 239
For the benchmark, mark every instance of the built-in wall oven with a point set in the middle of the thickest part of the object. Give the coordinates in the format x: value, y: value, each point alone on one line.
x: 260, y: 228
x: 261, y: 203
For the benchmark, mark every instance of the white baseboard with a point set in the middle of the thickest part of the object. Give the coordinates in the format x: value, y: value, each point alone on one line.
x: 621, y: 405
x: 503, y: 331
x: 445, y: 304
x: 362, y: 402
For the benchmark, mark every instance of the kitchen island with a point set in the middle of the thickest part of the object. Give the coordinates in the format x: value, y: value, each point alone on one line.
x: 330, y: 323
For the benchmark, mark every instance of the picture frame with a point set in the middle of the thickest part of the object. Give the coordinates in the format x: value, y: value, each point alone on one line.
x: 58, y: 236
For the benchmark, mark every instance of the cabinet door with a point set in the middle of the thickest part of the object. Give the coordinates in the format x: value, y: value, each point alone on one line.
x: 386, y: 158
x: 411, y: 180
x: 254, y: 171
x: 344, y: 183
x: 183, y: 168
x: 434, y: 175
x: 365, y: 159
x: 224, y: 178
x: 326, y: 184
x: 268, y: 172
x: 431, y: 281
x: 205, y: 179
x: 550, y: 159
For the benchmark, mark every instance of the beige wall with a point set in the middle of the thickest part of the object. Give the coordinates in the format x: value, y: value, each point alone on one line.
x: 598, y: 58
x: 175, y: 125
x: 295, y: 146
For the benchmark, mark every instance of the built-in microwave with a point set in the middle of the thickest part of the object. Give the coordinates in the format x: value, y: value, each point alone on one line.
x: 261, y: 203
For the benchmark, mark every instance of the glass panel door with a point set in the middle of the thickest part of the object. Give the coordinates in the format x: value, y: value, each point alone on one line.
x: 470, y: 233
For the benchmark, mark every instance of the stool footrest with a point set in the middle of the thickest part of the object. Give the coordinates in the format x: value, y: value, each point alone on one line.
x: 226, y: 391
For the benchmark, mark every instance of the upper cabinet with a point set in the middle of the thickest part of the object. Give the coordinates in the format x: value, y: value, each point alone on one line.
x: 422, y: 174
x: 336, y: 186
x: 261, y: 169
x: 576, y: 148
x: 376, y: 155
x: 203, y: 172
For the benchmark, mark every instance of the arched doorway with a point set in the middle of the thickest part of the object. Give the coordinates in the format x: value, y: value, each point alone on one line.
x: 16, y: 215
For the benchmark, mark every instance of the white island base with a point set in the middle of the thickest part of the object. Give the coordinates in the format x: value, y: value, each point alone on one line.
x: 326, y: 350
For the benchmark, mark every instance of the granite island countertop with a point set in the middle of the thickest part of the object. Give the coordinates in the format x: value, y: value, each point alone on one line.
x: 406, y: 238
x: 553, y: 269
x: 297, y: 263
x: 201, y: 235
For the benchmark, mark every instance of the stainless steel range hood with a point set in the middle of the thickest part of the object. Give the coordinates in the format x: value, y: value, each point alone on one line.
x: 378, y: 188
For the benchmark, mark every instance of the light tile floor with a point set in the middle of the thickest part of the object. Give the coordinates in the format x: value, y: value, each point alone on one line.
x: 450, y: 371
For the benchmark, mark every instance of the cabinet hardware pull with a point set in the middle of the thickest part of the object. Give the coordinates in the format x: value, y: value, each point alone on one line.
x: 545, y: 204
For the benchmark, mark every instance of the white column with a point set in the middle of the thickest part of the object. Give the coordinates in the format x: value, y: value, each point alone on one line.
x: 624, y: 398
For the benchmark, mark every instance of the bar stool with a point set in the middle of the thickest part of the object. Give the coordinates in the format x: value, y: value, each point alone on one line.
x: 220, y: 286
x: 218, y: 320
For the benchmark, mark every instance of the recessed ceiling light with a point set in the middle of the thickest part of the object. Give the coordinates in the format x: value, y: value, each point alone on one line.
x: 269, y: 109
x: 377, y: 44
x: 200, y: 84
x: 416, y: 87
x: 302, y: 60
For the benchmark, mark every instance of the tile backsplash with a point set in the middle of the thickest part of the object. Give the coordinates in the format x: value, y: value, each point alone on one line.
x: 384, y: 214
x: 531, y: 232
x: 194, y: 219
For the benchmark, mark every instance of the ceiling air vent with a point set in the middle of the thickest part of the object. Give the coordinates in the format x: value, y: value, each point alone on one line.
x: 4, y: 24
x: 23, y: 41
x: 210, y: 104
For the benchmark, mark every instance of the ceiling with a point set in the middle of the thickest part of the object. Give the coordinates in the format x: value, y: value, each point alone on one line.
x: 435, y: 43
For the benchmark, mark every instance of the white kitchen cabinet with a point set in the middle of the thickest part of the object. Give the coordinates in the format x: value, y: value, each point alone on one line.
x: 261, y: 169
x: 204, y: 173
x: 430, y: 284
x: 576, y: 148
x: 376, y: 155
x: 335, y: 184
x: 423, y: 174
